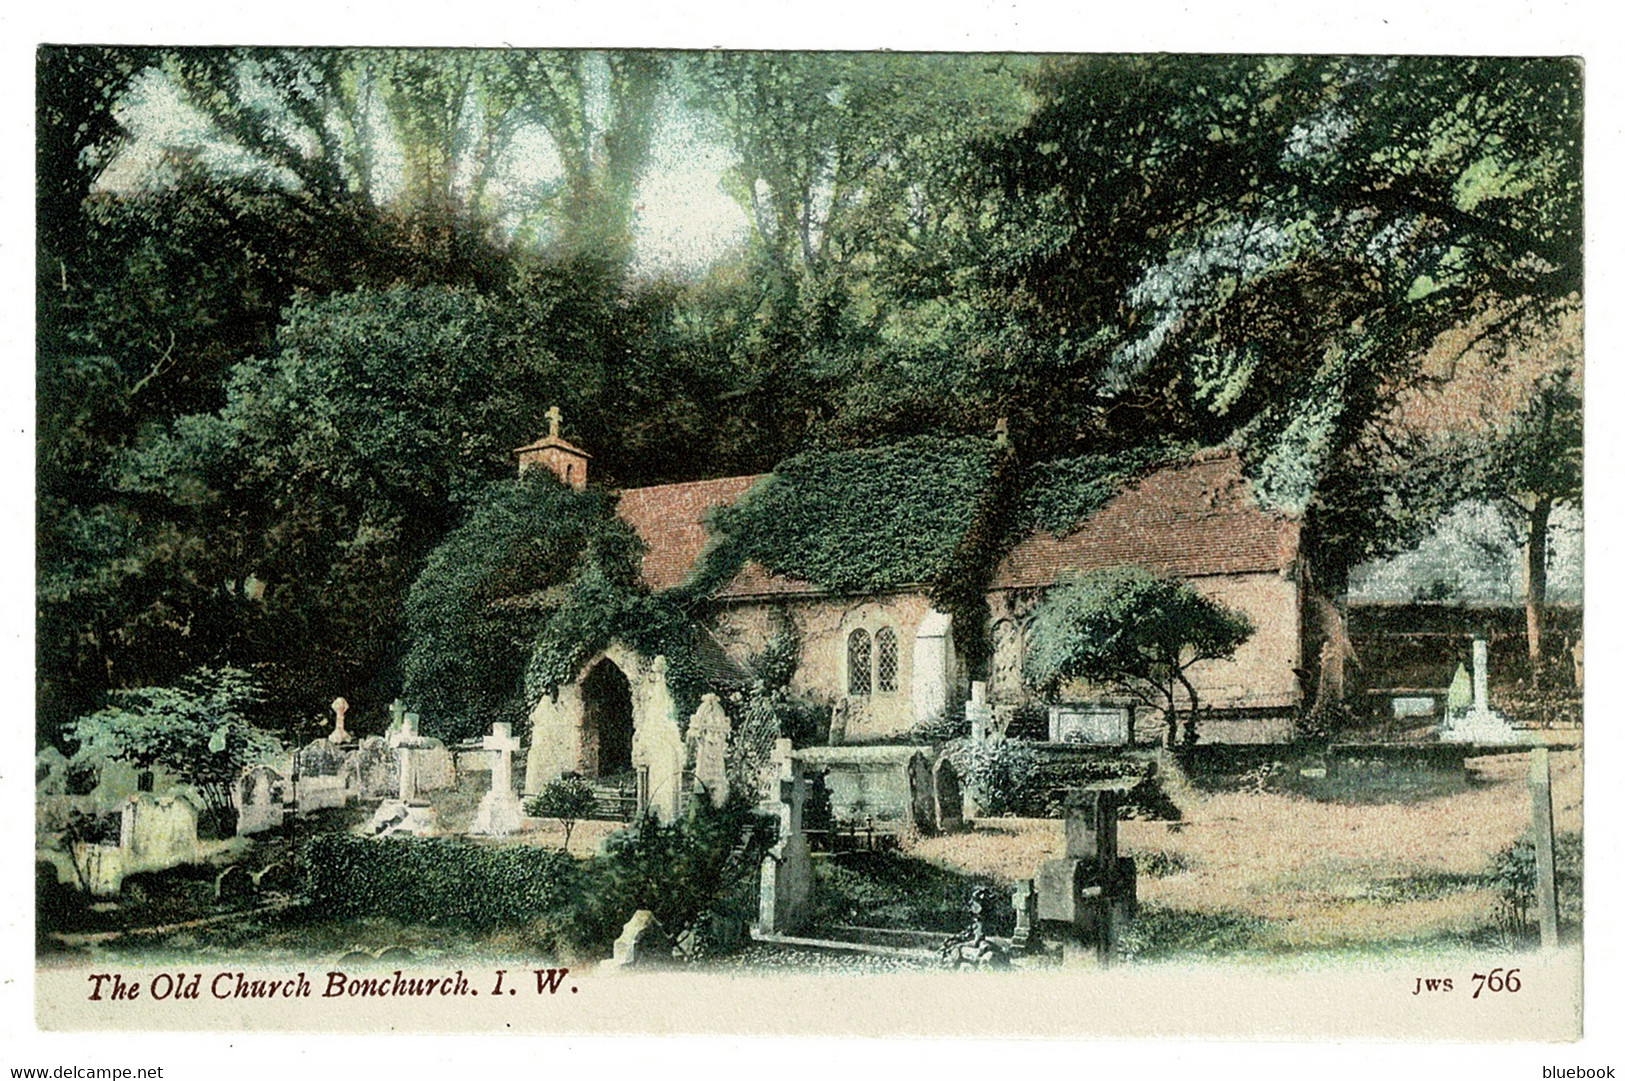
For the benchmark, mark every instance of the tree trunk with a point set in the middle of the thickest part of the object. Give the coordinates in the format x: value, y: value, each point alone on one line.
x: 1534, y: 598
x: 1190, y: 724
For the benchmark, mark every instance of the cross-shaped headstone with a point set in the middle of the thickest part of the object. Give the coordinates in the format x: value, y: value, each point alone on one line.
x: 553, y: 417
x: 397, y: 710
x: 501, y: 742
x: 339, y: 707
x: 792, y: 798
x: 404, y: 742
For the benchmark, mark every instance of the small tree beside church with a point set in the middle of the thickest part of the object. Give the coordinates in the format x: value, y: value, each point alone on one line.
x: 1135, y: 630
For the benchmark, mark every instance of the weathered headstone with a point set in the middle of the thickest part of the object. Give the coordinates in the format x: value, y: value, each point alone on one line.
x: 1088, y: 896
x: 499, y: 813
x: 839, y: 716
x: 259, y: 795
x: 708, y: 732
x: 922, y: 792
x: 339, y: 735
x: 378, y: 770
x: 657, y: 744
x: 276, y: 877
x: 785, y: 901
x: 950, y: 797
x: 1093, y: 724
x: 405, y: 814
x: 643, y: 942
x: 233, y: 884
x: 159, y: 832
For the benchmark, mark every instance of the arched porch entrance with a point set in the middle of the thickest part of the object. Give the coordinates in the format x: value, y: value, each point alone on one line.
x: 606, y: 721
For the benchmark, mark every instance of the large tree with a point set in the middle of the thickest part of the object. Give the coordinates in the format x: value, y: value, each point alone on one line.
x: 1132, y: 629
x: 1266, y: 249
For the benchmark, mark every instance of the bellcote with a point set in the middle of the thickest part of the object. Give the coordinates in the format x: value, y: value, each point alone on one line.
x: 566, y: 461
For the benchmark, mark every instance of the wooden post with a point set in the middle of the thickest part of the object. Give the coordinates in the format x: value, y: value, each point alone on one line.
x: 1540, y: 798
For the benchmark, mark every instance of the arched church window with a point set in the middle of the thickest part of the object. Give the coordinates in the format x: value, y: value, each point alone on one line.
x: 886, y: 659
x: 857, y: 662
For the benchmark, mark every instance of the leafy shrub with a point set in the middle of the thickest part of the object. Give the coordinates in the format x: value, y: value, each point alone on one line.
x: 1513, y: 877
x: 696, y: 867
x: 1000, y: 775
x: 567, y: 798
x: 436, y: 880
x: 199, y: 729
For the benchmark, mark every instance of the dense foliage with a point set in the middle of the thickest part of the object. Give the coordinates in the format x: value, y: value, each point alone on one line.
x: 700, y: 866
x: 438, y: 881
x: 200, y: 730
x: 1138, y: 631
x: 855, y: 521
x: 284, y: 343
x: 1062, y: 493
x: 479, y: 602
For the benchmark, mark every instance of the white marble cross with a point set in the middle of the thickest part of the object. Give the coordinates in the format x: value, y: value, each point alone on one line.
x: 502, y: 742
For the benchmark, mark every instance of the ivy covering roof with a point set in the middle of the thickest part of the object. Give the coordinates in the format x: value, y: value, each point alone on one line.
x: 901, y: 515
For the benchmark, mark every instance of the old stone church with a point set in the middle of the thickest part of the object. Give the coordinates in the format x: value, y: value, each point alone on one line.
x: 885, y: 663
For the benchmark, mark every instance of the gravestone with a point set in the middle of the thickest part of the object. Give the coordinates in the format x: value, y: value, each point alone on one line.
x: 949, y: 795
x: 499, y: 813
x: 1088, y: 896
x: 378, y: 771
x: 922, y: 791
x: 839, y: 716
x: 1096, y: 725
x: 320, y: 783
x: 785, y: 900
x: 642, y: 943
x: 339, y: 736
x: 277, y: 877
x: 406, y: 814
x: 1542, y: 833
x: 259, y: 794
x: 158, y: 832
x: 320, y: 758
x: 233, y: 884
x: 1479, y: 724
x: 707, y: 739
x: 657, y: 745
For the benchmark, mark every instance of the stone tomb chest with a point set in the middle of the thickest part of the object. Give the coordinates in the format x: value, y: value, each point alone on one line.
x: 890, y: 788
x: 1093, y: 724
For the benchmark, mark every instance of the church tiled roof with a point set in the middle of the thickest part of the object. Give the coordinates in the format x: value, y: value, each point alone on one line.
x: 1191, y: 519
x: 1188, y: 520
x: 670, y: 520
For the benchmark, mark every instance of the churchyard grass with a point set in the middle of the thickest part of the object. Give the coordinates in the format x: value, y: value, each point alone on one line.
x: 1271, y: 874
x: 1244, y: 875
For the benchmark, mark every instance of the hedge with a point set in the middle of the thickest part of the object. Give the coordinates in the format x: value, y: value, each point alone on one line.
x: 434, y: 880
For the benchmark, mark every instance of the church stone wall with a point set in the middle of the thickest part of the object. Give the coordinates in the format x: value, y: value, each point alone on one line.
x: 824, y: 625
x: 1260, y: 677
